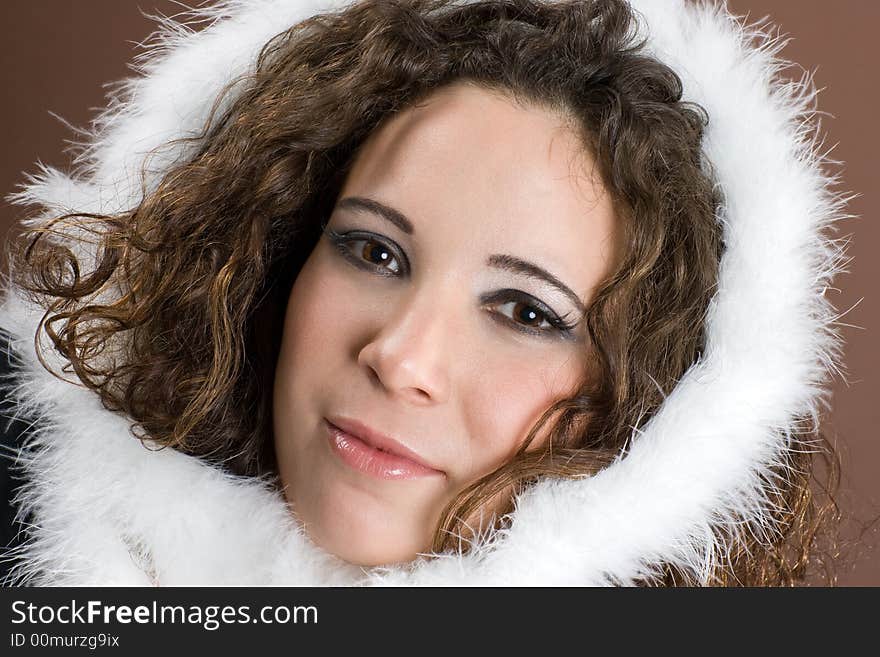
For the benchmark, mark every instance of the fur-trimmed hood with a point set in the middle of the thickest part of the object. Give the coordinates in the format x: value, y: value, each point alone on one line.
x: 693, y: 477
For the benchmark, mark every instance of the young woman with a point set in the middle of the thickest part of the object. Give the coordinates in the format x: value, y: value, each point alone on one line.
x: 500, y: 292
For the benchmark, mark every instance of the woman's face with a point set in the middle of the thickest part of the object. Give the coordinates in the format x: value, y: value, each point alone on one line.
x: 436, y: 319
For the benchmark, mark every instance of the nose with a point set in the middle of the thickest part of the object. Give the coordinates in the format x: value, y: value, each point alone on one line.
x: 407, y: 355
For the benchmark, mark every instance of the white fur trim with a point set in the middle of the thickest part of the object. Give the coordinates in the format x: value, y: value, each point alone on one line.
x: 697, y: 473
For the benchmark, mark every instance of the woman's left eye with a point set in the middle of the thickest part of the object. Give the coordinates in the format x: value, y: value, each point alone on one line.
x: 523, y: 313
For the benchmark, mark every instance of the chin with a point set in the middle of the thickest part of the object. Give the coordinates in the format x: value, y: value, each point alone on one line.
x: 366, y: 551
x: 362, y: 555
x: 366, y: 539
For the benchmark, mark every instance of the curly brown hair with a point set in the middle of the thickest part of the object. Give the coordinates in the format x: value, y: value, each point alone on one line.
x: 206, y: 260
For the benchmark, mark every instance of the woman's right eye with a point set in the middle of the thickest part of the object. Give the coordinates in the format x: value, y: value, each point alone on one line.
x: 368, y: 252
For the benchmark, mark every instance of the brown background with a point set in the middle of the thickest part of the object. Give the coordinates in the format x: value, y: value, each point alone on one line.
x: 55, y: 56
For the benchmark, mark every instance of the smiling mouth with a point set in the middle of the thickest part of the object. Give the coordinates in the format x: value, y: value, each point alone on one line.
x: 374, y: 461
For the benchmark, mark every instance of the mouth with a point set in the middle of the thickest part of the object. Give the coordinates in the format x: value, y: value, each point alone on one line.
x: 374, y: 454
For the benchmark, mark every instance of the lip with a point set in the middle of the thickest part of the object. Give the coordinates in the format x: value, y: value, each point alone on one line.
x: 373, y: 453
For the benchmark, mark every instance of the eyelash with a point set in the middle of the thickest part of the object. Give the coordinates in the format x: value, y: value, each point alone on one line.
x: 342, y: 240
x: 560, y: 325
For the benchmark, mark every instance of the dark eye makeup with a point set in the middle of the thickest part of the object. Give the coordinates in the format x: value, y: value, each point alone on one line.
x: 528, y: 314
x: 378, y: 255
x: 370, y: 252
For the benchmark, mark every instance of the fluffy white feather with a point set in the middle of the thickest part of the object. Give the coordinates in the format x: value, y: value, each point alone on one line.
x: 110, y: 511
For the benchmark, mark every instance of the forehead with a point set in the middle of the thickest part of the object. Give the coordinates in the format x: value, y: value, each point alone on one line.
x: 514, y: 178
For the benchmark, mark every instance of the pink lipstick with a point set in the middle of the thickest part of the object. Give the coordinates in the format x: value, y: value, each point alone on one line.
x: 383, y: 461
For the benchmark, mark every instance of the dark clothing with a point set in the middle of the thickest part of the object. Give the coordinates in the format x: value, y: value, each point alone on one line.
x: 12, y: 433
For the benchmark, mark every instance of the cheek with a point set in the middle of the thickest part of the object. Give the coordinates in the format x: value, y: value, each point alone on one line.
x: 315, y: 319
x: 313, y: 346
x: 510, y: 396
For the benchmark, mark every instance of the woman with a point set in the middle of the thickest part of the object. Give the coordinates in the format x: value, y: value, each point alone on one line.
x: 431, y: 293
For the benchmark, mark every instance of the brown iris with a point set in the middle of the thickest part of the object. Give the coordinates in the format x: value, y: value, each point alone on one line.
x: 527, y: 314
x: 376, y: 253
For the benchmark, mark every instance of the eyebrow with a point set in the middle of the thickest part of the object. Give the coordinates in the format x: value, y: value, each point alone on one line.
x: 498, y: 261
x: 369, y: 205
x: 531, y: 270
